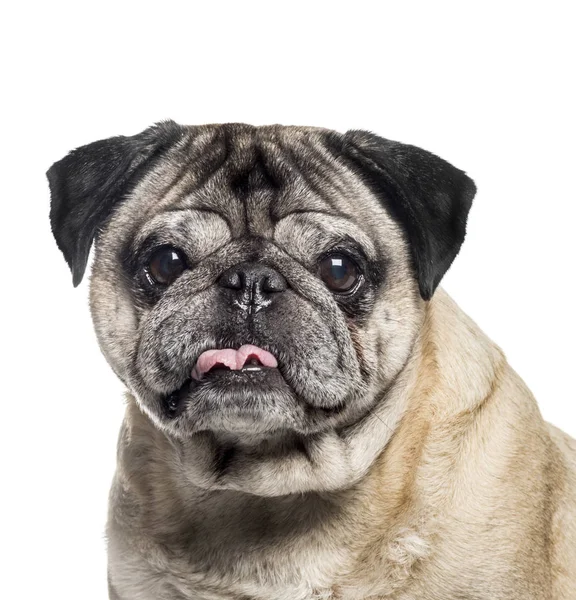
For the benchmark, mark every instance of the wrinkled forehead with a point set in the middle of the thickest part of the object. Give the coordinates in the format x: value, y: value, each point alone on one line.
x: 282, y: 184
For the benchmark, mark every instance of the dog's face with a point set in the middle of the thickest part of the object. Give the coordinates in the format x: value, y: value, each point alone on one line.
x: 257, y: 281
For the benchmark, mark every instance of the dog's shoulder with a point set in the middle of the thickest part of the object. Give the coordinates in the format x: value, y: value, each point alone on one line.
x: 564, y: 521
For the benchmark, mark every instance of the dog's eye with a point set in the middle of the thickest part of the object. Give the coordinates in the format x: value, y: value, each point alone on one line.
x: 165, y: 265
x: 339, y: 273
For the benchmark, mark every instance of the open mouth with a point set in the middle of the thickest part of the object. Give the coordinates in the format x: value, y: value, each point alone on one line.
x: 247, y: 366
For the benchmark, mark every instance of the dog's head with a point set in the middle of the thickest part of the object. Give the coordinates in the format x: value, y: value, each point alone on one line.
x: 257, y: 281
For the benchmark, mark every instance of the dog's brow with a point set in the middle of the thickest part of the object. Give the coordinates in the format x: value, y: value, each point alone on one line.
x: 199, y: 209
x: 342, y: 226
x: 163, y: 219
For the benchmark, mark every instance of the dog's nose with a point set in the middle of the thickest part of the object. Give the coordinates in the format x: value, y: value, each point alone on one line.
x: 253, y: 284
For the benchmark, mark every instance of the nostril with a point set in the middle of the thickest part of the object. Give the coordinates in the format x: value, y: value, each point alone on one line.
x: 231, y: 279
x: 274, y: 282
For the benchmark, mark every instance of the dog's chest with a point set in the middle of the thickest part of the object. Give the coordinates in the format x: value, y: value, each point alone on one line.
x: 311, y: 569
x: 159, y: 575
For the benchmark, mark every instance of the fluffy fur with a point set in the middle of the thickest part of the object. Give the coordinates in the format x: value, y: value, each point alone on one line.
x: 402, y: 458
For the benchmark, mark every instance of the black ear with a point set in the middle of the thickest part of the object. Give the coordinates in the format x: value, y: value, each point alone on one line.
x: 87, y: 183
x: 428, y: 197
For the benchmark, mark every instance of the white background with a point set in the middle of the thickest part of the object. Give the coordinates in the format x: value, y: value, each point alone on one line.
x: 489, y: 87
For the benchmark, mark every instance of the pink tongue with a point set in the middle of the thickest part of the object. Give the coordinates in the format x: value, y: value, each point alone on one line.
x: 233, y: 359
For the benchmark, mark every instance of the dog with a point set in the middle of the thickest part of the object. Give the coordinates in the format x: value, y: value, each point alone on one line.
x: 309, y: 415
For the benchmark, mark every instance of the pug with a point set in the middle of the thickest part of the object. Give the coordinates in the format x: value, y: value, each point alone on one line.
x: 309, y: 416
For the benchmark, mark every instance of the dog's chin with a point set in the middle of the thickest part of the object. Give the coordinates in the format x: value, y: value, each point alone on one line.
x: 251, y: 403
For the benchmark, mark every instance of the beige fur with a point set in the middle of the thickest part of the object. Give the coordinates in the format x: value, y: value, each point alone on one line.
x: 473, y: 497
